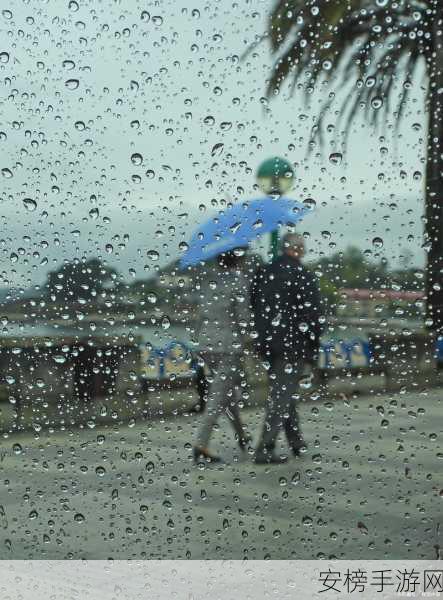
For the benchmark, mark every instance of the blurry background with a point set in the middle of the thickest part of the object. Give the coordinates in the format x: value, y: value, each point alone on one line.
x: 123, y: 126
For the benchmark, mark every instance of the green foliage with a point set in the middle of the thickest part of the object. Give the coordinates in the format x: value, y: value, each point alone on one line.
x: 352, y: 269
x: 329, y: 294
x: 79, y: 280
x: 355, y: 37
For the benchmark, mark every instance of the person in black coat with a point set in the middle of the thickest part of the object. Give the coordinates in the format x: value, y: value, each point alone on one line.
x: 286, y: 303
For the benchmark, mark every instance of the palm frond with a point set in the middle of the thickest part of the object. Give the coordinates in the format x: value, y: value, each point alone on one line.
x: 334, y: 39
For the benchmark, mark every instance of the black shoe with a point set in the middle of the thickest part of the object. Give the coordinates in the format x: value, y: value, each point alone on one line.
x: 197, y: 408
x: 299, y: 450
x: 269, y: 459
x: 202, y: 456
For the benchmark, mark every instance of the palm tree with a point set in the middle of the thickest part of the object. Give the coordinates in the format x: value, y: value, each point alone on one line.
x: 381, y: 42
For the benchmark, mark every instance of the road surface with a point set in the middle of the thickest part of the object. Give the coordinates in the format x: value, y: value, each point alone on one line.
x: 370, y: 486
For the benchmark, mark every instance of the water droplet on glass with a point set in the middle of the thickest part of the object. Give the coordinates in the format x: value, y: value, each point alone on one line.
x: 68, y: 65
x: 377, y: 242
x: 136, y: 158
x: 72, y: 84
x: 29, y: 204
x: 79, y: 518
x: 100, y: 471
x: 310, y: 203
x: 153, y: 254
x: 6, y: 173
x: 362, y: 527
x: 17, y: 449
x: 335, y: 158
x: 376, y: 102
x: 217, y: 149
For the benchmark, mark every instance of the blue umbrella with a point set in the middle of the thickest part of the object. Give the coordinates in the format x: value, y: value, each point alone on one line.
x: 241, y: 224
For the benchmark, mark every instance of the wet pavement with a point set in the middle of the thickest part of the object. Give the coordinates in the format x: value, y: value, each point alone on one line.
x: 369, y: 486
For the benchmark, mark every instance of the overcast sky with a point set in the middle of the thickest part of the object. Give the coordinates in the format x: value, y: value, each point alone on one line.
x: 85, y: 90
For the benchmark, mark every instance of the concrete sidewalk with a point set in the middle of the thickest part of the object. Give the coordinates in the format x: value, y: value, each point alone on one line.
x: 370, y: 486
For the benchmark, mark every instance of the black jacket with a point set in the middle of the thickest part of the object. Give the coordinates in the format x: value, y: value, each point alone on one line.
x: 285, y: 298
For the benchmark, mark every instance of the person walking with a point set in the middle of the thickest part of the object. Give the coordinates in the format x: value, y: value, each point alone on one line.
x: 223, y: 322
x: 286, y: 303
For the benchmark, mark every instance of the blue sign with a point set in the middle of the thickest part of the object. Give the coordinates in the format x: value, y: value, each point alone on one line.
x: 345, y: 354
x: 178, y: 358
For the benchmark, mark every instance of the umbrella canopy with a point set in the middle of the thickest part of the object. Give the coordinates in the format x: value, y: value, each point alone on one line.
x: 241, y: 224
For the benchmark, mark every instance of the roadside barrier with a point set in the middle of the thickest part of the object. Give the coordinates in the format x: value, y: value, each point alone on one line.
x: 178, y: 360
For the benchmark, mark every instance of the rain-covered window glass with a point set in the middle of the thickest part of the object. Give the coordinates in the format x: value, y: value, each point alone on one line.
x: 221, y: 279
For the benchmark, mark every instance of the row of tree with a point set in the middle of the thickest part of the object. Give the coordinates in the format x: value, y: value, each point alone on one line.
x: 353, y: 270
x: 86, y: 280
x: 77, y: 280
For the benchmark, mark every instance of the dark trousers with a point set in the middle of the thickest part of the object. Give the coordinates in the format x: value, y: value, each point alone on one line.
x: 281, y: 408
x: 202, y: 386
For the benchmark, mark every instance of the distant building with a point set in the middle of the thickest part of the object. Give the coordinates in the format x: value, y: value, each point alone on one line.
x: 380, y: 303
